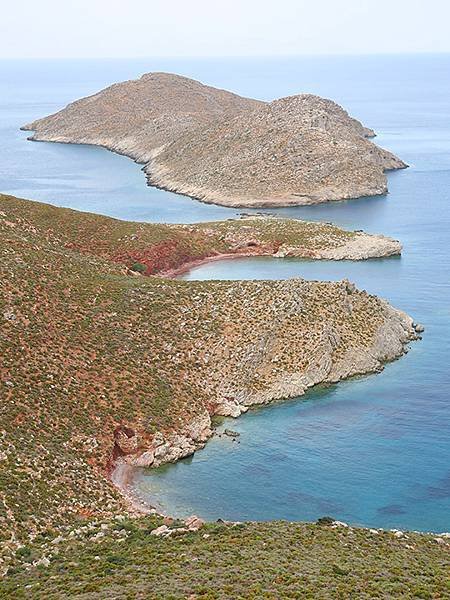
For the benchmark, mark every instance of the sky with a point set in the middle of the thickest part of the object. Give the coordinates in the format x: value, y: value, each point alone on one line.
x: 157, y: 28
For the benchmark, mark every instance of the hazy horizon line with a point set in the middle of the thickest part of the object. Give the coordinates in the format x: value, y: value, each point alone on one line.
x: 230, y: 56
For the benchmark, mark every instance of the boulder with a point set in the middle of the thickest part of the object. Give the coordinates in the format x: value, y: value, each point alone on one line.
x: 126, y: 439
x: 231, y: 433
x: 160, y: 531
x: 146, y: 459
x: 194, y: 523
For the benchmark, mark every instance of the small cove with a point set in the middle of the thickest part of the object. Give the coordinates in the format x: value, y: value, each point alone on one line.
x: 373, y: 451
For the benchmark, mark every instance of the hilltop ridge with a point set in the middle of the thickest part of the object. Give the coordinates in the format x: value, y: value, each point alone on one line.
x: 140, y: 116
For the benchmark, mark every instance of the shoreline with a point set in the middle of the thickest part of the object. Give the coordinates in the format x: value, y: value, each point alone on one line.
x: 208, y: 197
x: 287, y: 202
x: 122, y: 477
x: 193, y: 264
x: 122, y: 473
x: 188, y: 266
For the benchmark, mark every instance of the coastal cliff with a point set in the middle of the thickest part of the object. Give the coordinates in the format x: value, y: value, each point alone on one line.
x: 221, y: 148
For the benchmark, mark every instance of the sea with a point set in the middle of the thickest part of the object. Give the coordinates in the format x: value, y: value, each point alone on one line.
x: 372, y: 451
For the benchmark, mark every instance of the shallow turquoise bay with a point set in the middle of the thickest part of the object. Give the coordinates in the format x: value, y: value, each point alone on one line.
x: 373, y: 451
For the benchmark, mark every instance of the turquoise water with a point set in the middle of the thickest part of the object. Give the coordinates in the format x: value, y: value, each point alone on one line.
x: 373, y: 451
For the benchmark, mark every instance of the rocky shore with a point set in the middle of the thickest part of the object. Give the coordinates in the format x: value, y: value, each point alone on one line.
x: 395, y: 331
x: 361, y: 247
x: 221, y: 148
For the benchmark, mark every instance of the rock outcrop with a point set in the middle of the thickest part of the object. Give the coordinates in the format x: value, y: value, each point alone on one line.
x: 221, y: 148
x: 360, y: 246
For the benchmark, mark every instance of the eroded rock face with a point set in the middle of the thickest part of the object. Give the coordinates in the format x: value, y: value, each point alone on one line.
x: 126, y: 440
x: 169, y: 447
x: 221, y: 148
x: 146, y: 459
x: 288, y: 353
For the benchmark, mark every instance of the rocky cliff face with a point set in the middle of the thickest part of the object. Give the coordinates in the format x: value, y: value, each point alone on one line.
x: 221, y: 148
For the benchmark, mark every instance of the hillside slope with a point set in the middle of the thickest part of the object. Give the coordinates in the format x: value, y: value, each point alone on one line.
x: 249, y: 561
x: 93, y: 363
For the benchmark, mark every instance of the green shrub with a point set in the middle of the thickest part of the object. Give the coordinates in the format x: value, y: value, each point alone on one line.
x: 325, y: 521
x: 138, y: 267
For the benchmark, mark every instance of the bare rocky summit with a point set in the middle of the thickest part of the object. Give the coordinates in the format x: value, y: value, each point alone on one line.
x: 221, y: 148
x: 138, y: 117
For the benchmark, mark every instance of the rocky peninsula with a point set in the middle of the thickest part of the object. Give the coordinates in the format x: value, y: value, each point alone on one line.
x: 103, y: 365
x: 106, y: 363
x: 221, y: 148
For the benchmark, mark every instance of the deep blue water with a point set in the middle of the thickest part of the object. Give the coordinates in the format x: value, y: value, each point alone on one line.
x: 373, y: 451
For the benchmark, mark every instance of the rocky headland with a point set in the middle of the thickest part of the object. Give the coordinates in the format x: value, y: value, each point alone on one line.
x: 221, y: 148
x: 140, y: 117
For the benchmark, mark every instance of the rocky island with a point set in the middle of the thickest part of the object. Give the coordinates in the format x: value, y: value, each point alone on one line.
x: 221, y: 148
